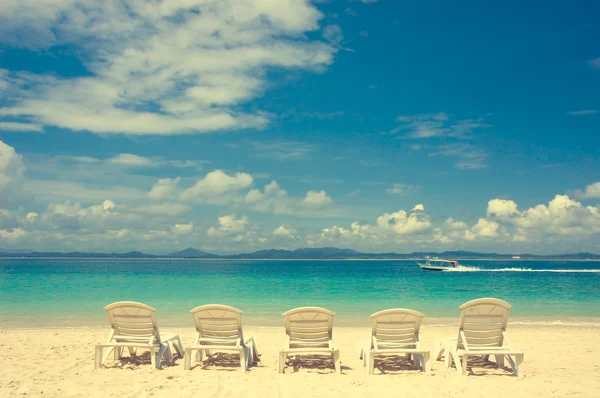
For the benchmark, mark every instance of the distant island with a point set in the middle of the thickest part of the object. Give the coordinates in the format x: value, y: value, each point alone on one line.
x: 321, y: 253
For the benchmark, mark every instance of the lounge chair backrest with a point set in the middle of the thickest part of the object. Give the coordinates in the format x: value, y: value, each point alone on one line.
x: 133, y: 322
x: 396, y: 328
x: 309, y: 327
x: 219, y: 322
x: 483, y: 321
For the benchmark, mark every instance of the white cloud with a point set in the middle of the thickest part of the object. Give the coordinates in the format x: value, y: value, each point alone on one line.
x: 484, y: 228
x: 169, y: 67
x: 418, y: 207
x: 403, y: 223
x: 182, y: 229
x: 32, y: 216
x: 21, y: 127
x: 229, y: 225
x: 316, y: 200
x: 129, y: 159
x: 80, y: 159
x: 592, y: 191
x: 389, y: 228
x: 452, y: 224
x: 163, y: 188
x: 285, y: 231
x: 14, y: 234
x: 11, y: 173
x: 400, y: 189
x: 595, y: 62
x: 253, y: 196
x: 501, y: 208
x: 216, y: 183
x: 562, y: 216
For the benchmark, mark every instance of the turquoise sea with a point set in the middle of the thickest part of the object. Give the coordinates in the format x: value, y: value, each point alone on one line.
x: 72, y: 292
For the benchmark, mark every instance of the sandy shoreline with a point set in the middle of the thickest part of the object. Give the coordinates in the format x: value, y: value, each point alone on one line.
x: 560, y: 361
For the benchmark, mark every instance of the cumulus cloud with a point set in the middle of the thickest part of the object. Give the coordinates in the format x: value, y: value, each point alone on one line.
x: 316, y: 200
x: 229, y: 224
x: 561, y: 216
x: 592, y: 191
x: 389, y: 227
x: 163, y: 188
x: 182, y: 229
x: 166, y: 67
x: 11, y: 173
x: 501, y: 208
x: 13, y: 234
x: 216, y: 183
x: 285, y: 232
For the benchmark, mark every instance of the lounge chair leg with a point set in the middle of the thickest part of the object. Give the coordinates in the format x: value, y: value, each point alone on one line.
x: 98, y: 358
x: 416, y: 361
x: 106, y: 353
x: 454, y: 358
x: 282, y: 358
x: 336, y: 361
x: 169, y: 353
x: 465, y: 360
x: 243, y: 361
x: 408, y: 356
x: 441, y: 350
x: 520, y: 366
x: 178, y: 346
x: 187, y: 359
x: 427, y: 362
x: 131, y: 351
x: 500, y: 360
x: 153, y: 357
x: 371, y: 363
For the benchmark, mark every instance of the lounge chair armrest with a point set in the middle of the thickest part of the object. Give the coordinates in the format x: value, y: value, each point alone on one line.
x: 374, y: 342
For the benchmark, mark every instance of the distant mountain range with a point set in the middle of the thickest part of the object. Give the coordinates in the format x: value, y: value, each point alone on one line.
x: 299, y: 254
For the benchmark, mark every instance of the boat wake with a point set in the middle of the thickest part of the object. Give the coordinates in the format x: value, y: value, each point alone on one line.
x: 463, y: 268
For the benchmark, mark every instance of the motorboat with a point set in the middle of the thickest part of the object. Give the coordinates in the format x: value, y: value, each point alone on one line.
x: 438, y: 265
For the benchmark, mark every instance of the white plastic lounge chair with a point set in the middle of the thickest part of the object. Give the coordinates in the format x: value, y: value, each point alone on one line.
x: 133, y: 326
x: 219, y: 328
x: 309, y: 331
x: 394, y: 332
x: 482, y: 332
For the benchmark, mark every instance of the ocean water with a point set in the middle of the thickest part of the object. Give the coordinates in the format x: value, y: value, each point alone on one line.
x: 72, y: 292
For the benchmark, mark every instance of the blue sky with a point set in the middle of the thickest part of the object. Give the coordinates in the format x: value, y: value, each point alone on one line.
x: 241, y: 125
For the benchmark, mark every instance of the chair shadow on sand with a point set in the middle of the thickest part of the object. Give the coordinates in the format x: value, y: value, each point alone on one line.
x: 142, y: 359
x: 485, y: 367
x: 221, y: 361
x: 395, y: 364
x: 322, y: 363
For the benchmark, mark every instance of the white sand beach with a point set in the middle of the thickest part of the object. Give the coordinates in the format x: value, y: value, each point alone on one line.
x: 560, y: 361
